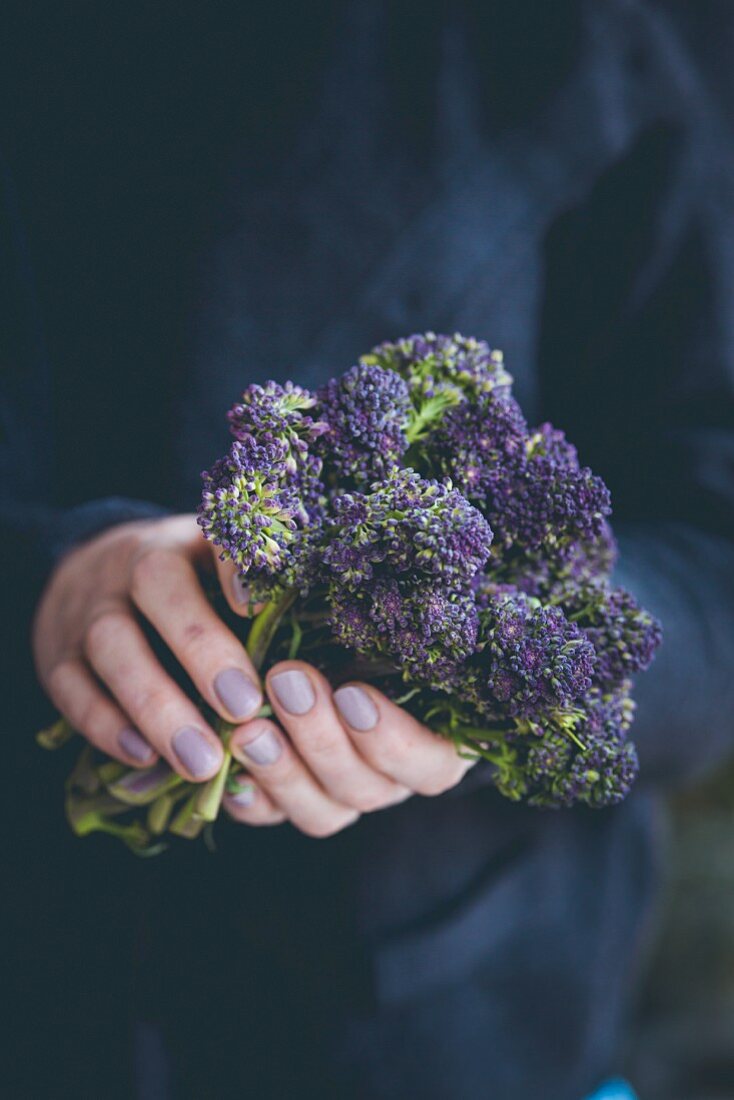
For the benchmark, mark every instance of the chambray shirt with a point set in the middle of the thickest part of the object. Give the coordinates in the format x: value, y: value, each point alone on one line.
x: 453, y: 947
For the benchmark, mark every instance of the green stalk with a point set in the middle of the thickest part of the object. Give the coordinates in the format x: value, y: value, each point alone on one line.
x: 159, y: 813
x: 209, y: 796
x: 83, y: 776
x: 111, y: 771
x: 264, y: 626
x: 186, y: 823
x: 77, y: 808
x: 92, y: 816
x: 56, y: 735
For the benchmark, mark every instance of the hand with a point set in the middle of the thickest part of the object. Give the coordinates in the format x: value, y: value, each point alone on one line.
x: 330, y: 757
x: 95, y: 663
x: 333, y: 755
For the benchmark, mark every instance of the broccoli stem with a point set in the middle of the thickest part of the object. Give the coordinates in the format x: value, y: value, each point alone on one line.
x: 210, y: 795
x: 265, y: 625
x: 55, y: 736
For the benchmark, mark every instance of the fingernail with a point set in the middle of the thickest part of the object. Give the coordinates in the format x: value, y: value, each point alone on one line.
x: 239, y: 589
x: 356, y: 707
x: 245, y: 796
x: 134, y: 744
x: 265, y: 749
x: 197, y: 755
x: 293, y: 691
x: 237, y: 692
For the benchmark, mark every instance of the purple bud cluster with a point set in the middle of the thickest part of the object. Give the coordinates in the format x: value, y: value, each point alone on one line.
x: 274, y: 411
x: 367, y: 412
x: 529, y: 658
x: 481, y: 447
x: 262, y: 503
x: 559, y: 774
x: 427, y: 630
x: 624, y: 635
x: 249, y: 509
x: 402, y: 559
x: 433, y: 364
x: 407, y: 524
x: 428, y: 529
x: 280, y: 414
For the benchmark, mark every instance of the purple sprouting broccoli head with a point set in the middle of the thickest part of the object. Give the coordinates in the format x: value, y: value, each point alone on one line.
x: 545, y: 573
x: 547, y: 501
x: 529, y: 658
x: 426, y: 630
x: 407, y: 524
x: 441, y: 371
x: 625, y: 636
x: 280, y: 413
x: 582, y: 756
x: 480, y: 445
x: 253, y: 510
x: 431, y: 363
x: 601, y: 774
x: 366, y: 412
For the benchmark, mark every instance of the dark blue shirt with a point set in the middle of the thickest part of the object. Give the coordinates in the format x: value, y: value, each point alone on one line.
x: 575, y: 212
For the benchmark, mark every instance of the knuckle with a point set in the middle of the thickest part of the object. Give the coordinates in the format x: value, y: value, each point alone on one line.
x: 318, y: 741
x: 396, y: 751
x: 441, y: 781
x: 265, y: 816
x: 103, y: 632
x: 366, y: 802
x: 206, y: 647
x: 59, y: 681
x: 321, y: 830
x: 93, y: 719
x: 197, y: 642
x: 151, y: 565
x: 283, y: 775
x: 193, y: 632
x: 153, y: 705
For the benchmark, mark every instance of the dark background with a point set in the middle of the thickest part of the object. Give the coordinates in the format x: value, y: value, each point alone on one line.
x: 69, y: 939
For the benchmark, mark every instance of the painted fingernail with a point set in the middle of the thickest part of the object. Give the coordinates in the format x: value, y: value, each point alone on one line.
x: 356, y: 707
x: 239, y: 589
x: 237, y: 692
x: 293, y: 691
x: 245, y: 796
x: 197, y: 755
x: 134, y: 745
x: 265, y: 749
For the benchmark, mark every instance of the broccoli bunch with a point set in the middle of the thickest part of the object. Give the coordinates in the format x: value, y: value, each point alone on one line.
x: 407, y: 521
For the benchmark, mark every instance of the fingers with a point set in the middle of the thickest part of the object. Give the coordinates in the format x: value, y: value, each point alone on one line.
x: 265, y: 752
x: 396, y: 744
x: 338, y: 756
x: 250, y: 805
x: 167, y: 591
x: 74, y: 690
x: 233, y: 587
x: 302, y: 700
x: 118, y: 652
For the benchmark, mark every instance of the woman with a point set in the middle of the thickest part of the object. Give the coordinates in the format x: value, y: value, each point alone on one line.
x: 245, y: 194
